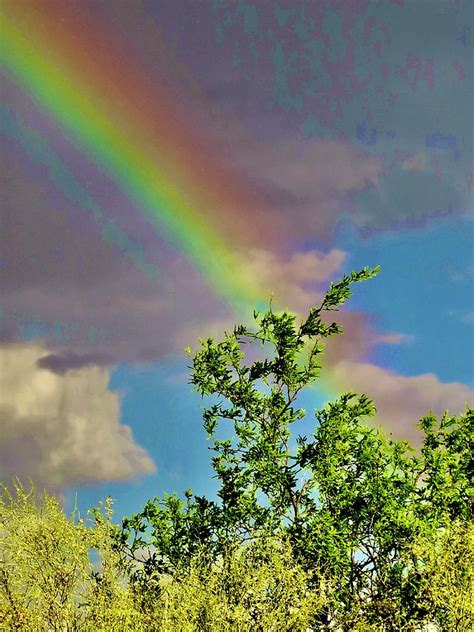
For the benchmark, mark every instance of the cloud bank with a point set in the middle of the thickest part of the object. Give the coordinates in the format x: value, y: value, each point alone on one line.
x: 62, y: 430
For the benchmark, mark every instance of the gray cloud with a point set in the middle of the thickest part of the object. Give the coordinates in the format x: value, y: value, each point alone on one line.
x: 62, y: 362
x: 63, y: 284
x: 310, y: 182
x: 362, y: 73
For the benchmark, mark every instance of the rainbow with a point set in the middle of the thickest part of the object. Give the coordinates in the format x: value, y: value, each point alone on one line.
x: 134, y: 134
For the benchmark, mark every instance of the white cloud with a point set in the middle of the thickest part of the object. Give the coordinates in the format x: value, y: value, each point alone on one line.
x: 62, y: 430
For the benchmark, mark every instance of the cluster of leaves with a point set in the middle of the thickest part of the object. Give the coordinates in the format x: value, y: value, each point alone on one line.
x: 352, y: 502
x: 47, y: 580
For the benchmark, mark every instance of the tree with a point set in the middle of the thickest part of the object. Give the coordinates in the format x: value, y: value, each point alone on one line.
x: 352, y: 502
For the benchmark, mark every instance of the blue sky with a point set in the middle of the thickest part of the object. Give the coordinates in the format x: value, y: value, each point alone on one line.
x: 429, y: 287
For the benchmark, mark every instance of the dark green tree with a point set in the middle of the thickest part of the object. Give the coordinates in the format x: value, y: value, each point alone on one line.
x: 352, y: 501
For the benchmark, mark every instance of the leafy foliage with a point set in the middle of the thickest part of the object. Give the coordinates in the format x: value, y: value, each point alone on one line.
x: 352, y: 502
x: 448, y: 565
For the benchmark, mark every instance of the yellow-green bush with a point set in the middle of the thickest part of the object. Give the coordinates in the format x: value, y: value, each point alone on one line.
x: 259, y: 587
x: 46, y: 574
x: 448, y: 563
x: 48, y: 581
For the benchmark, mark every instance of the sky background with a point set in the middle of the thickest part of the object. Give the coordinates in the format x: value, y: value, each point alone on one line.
x: 166, y: 166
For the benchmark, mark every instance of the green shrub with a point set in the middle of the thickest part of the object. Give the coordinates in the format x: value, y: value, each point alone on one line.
x: 448, y: 563
x: 47, y: 579
x: 255, y: 587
